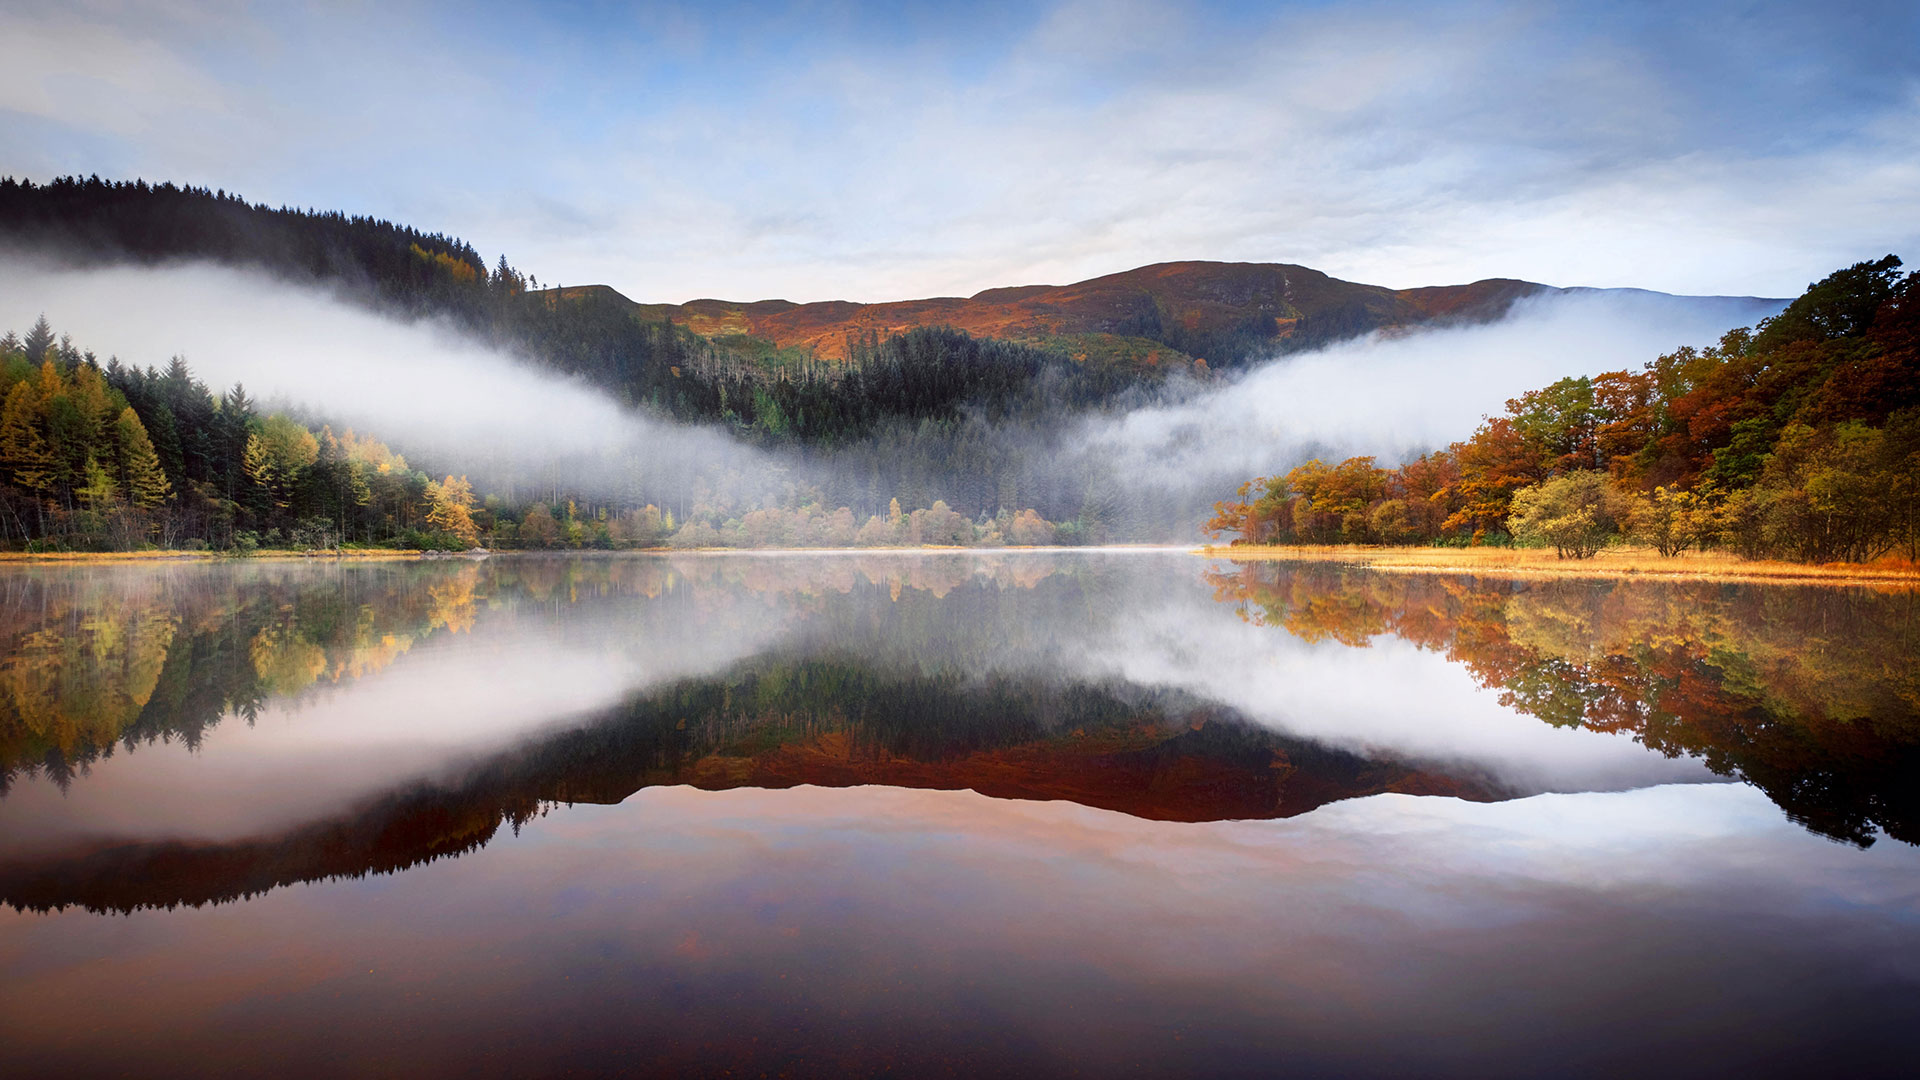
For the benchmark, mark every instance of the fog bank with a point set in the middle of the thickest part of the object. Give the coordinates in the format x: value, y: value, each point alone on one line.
x: 423, y: 386
x: 1395, y: 394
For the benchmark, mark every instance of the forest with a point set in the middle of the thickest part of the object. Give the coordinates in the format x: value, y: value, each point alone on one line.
x: 929, y: 415
x: 99, y: 457
x: 1796, y: 439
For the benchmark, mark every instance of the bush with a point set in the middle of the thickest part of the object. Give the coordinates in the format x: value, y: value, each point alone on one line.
x: 1576, y: 514
x: 1673, y: 520
x: 421, y: 540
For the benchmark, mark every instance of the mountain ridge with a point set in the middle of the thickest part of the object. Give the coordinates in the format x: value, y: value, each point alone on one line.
x: 1194, y: 307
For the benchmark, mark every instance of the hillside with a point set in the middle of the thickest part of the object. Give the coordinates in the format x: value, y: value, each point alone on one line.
x: 1798, y: 439
x: 1223, y: 313
x: 1136, y: 321
x: 1220, y: 312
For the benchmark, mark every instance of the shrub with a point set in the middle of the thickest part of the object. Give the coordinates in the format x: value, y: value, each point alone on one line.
x: 1576, y: 514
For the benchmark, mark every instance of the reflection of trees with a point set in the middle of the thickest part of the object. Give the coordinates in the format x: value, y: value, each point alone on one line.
x: 779, y: 722
x: 94, y: 659
x: 1811, y: 694
x: 91, y: 660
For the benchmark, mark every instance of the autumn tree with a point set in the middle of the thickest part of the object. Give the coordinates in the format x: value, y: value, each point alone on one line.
x: 538, y: 529
x: 450, y: 508
x: 1674, y: 519
x: 1576, y: 514
x: 277, y: 455
x: 23, y: 448
x: 136, y: 466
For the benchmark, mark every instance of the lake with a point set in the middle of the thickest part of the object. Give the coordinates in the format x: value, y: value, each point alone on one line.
x: 1123, y: 813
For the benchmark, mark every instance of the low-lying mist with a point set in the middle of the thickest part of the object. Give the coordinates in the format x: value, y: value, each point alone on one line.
x: 429, y: 390
x: 1397, y: 394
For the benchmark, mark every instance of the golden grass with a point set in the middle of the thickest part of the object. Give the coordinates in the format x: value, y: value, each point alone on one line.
x: 1614, y: 562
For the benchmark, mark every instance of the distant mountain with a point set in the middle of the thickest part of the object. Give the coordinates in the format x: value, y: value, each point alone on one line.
x: 1220, y: 312
x: 1136, y: 320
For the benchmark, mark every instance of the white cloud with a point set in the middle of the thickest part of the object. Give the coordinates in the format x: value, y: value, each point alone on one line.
x: 1725, y: 151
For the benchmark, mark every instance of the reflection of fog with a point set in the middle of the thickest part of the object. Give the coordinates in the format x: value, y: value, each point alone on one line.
x: 444, y: 706
x: 1389, y: 697
x: 520, y: 655
x: 365, y: 680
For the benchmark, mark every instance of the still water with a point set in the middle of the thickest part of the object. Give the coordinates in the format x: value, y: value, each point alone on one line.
x: 1040, y: 813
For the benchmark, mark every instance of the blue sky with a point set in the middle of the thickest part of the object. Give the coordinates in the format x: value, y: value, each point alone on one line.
x: 883, y: 151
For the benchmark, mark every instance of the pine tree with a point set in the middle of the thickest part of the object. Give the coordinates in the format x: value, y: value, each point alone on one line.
x: 99, y: 491
x: 234, y: 423
x: 39, y: 340
x: 141, y: 476
x: 258, y: 465
x: 23, y: 450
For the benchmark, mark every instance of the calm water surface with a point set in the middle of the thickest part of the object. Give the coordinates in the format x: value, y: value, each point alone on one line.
x: 1036, y: 813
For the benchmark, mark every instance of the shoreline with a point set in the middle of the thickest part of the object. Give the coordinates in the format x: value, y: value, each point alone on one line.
x: 1613, y: 563
x: 26, y: 558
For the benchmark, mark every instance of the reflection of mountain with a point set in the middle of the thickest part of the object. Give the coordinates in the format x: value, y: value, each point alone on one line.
x: 779, y: 724
x: 1811, y: 694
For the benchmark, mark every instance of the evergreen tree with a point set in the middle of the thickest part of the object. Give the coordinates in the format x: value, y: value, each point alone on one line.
x: 140, y: 474
x: 39, y: 339
x: 23, y: 449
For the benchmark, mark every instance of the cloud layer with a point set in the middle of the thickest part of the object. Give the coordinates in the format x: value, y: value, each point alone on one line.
x: 874, y: 152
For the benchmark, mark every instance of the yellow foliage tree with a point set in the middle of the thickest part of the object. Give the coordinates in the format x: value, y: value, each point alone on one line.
x: 450, y: 508
x: 23, y: 449
x: 139, y: 473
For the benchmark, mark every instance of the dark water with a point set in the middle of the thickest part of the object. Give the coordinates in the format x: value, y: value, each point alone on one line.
x: 1033, y: 814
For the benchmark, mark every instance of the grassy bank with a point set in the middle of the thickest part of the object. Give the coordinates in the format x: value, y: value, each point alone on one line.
x: 1640, y: 562
x: 194, y: 556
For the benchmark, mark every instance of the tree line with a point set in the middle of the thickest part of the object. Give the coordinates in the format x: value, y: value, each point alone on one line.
x: 115, y: 457
x: 1798, y: 438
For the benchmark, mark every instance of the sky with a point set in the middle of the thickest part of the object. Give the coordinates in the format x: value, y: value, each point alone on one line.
x: 893, y: 150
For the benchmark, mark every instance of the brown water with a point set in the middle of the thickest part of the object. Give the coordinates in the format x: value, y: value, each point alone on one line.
x: 1039, y: 813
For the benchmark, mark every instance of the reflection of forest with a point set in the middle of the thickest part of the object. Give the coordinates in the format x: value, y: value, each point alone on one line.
x: 1811, y: 694
x: 100, y: 657
x: 920, y: 673
x: 96, y: 658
